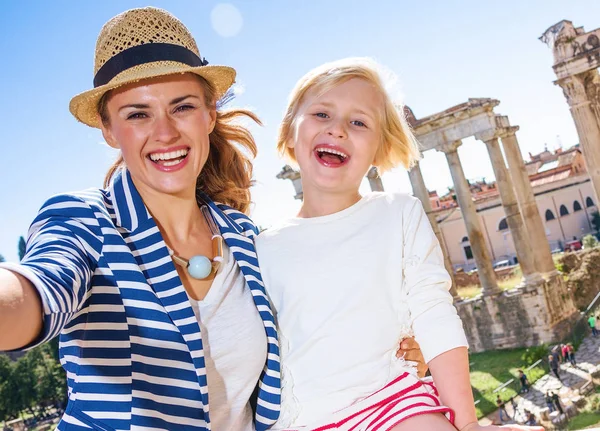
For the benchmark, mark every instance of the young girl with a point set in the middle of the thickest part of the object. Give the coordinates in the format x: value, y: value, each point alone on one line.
x: 352, y: 274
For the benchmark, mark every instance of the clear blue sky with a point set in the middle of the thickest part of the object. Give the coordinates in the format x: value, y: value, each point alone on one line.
x: 443, y: 52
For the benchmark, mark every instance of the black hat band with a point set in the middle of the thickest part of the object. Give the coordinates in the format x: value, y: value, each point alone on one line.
x: 142, y: 54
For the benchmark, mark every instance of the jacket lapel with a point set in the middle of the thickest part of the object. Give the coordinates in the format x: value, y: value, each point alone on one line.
x: 150, y: 252
x: 239, y: 234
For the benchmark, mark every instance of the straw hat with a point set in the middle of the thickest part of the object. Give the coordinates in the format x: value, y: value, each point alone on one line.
x: 139, y: 44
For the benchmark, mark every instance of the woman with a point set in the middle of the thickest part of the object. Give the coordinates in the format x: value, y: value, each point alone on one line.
x: 147, y: 337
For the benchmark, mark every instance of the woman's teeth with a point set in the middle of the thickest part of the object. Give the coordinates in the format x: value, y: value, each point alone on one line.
x: 171, y: 158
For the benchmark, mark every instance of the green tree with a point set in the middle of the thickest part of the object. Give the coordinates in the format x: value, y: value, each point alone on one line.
x: 10, y: 399
x: 589, y: 241
x: 51, y: 388
x: 22, y: 247
x: 2, y: 258
x: 5, y: 374
x: 25, y: 380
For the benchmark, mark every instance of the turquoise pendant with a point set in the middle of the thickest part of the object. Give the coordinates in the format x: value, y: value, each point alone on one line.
x: 199, y: 267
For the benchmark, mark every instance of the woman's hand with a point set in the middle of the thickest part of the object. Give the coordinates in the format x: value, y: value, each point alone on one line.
x: 411, y: 351
x: 476, y: 427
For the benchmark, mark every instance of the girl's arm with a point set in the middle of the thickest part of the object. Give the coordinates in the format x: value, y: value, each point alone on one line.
x: 20, y: 311
x: 450, y: 372
x: 435, y: 321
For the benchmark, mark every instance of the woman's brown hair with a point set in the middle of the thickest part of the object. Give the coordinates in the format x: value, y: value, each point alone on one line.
x: 227, y: 174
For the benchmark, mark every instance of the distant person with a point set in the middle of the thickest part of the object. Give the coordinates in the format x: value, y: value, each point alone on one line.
x: 556, y: 401
x: 571, y: 354
x: 556, y: 352
x: 549, y: 402
x: 502, y: 413
x: 524, y: 381
x: 592, y: 323
x: 530, y: 418
x: 566, y: 357
x: 553, y: 363
x: 514, y: 406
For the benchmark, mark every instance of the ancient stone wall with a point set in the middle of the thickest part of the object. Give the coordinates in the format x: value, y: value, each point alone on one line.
x: 520, y: 317
x: 465, y: 279
x: 583, y: 275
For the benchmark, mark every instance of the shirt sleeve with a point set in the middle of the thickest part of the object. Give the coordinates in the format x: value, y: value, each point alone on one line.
x: 435, y: 321
x: 63, y: 247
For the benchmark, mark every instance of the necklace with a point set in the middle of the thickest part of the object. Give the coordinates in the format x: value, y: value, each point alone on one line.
x: 201, y: 267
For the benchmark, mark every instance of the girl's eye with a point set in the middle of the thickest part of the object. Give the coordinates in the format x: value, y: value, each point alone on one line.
x: 321, y: 115
x: 359, y: 123
x: 136, y: 116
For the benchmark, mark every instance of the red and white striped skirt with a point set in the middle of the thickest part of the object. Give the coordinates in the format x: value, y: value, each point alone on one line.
x: 404, y: 397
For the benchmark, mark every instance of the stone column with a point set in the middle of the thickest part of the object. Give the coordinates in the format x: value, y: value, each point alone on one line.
x: 586, y: 123
x: 287, y: 173
x: 487, y: 276
x: 420, y: 191
x: 527, y: 203
x: 513, y: 216
x: 375, y: 180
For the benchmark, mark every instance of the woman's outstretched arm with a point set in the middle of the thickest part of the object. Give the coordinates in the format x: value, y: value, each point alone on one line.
x: 20, y: 311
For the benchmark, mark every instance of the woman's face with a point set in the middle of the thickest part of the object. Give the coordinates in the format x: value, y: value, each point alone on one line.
x: 161, y: 127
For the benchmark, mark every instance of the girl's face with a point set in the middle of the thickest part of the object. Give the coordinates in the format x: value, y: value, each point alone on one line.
x: 336, y: 135
x: 162, y: 128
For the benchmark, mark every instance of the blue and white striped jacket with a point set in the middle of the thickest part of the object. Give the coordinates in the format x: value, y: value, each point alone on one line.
x: 129, y: 340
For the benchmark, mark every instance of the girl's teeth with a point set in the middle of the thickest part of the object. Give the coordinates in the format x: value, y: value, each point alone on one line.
x: 323, y: 150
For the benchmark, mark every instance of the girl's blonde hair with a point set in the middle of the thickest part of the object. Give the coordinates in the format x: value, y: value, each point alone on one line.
x: 227, y: 174
x: 398, y: 144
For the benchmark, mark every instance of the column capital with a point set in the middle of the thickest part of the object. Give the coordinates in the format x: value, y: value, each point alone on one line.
x: 288, y: 173
x: 373, y: 173
x: 508, y: 132
x: 496, y: 133
x: 574, y: 90
x: 449, y: 147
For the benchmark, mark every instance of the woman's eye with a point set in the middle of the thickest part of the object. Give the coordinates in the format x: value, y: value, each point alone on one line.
x: 321, y: 115
x: 184, y: 108
x: 359, y: 123
x: 136, y: 116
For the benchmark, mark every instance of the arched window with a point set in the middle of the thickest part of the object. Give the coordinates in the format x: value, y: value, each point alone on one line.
x: 589, y: 202
x: 465, y: 239
x: 563, y: 211
x: 503, y: 225
x: 576, y: 206
x: 549, y: 215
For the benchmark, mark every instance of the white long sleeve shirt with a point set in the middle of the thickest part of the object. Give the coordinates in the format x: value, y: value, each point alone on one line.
x: 346, y: 288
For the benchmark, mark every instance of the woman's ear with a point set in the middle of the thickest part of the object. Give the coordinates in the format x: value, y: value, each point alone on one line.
x: 213, y: 120
x: 109, y: 138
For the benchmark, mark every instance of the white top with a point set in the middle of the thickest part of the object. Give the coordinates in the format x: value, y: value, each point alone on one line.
x: 235, y: 346
x: 346, y: 288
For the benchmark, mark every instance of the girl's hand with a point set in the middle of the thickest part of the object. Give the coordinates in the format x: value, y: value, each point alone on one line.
x: 410, y: 349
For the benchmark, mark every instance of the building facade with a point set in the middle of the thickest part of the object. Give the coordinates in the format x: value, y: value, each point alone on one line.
x: 564, y: 196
